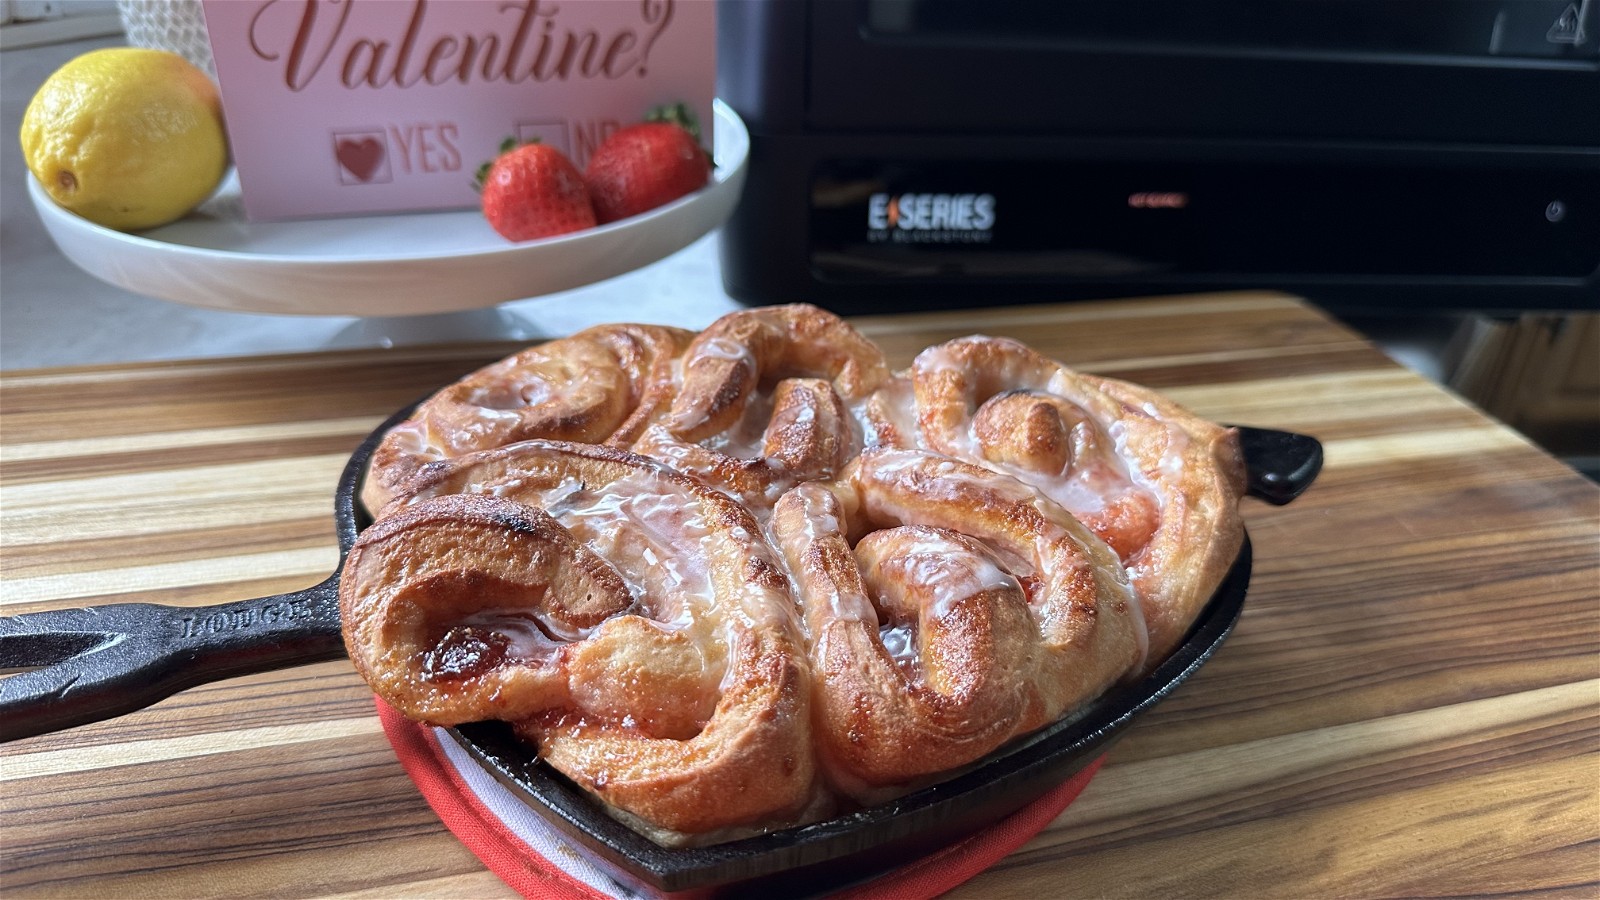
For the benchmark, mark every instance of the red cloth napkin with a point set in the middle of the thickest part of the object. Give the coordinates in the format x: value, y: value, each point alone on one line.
x: 539, y: 863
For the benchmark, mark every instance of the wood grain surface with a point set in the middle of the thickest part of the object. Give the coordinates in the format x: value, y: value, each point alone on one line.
x: 1410, y: 705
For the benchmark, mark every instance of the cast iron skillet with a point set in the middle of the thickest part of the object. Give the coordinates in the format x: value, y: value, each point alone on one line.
x: 76, y: 666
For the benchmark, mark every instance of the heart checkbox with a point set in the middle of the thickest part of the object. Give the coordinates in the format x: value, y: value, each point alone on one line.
x: 362, y: 157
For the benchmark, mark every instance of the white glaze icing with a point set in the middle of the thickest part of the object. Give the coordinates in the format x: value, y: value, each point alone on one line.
x: 532, y: 640
x: 948, y: 570
x: 633, y: 521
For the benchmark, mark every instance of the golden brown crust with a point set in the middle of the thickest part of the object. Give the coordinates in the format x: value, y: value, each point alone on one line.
x: 766, y: 399
x: 949, y: 609
x: 1156, y: 482
x: 417, y: 582
x: 667, y: 672
x: 751, y: 764
x: 726, y: 363
x: 600, y: 385
x: 1198, y: 471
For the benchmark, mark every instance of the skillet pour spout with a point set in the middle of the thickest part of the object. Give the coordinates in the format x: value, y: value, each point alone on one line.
x: 77, y: 666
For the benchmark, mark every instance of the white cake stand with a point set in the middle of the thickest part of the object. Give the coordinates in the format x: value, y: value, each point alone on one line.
x: 420, y: 264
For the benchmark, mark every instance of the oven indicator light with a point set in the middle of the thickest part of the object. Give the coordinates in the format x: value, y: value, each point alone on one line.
x: 1158, y: 200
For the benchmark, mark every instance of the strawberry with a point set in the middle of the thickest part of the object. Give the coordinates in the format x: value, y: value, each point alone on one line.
x: 534, y: 191
x: 640, y: 167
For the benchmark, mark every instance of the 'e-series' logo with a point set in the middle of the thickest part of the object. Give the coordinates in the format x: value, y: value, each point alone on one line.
x: 930, y: 218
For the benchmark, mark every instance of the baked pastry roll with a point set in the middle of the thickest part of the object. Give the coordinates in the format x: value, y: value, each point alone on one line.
x: 949, y: 609
x: 599, y: 386
x: 766, y: 399
x: 756, y: 573
x: 627, y: 619
x: 1157, y: 483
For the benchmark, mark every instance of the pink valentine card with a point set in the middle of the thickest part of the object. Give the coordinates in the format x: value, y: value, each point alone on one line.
x: 342, y: 107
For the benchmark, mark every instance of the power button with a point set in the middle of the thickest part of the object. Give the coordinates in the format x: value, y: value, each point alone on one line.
x: 1555, y: 211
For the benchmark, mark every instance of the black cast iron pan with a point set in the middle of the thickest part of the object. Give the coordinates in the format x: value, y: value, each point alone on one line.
x: 76, y: 666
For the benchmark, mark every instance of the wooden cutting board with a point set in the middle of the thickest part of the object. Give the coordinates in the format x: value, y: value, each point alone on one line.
x: 1410, y: 704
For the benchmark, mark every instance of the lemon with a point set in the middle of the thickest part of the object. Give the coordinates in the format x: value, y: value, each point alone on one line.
x: 127, y: 137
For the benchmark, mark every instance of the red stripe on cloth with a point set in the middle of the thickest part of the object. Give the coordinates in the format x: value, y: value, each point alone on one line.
x: 478, y: 829
x: 531, y: 875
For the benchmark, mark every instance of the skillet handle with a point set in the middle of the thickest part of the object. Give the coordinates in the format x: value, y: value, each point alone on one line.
x: 104, y: 661
x: 1279, y: 465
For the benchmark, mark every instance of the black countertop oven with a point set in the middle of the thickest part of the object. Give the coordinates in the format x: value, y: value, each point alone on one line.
x: 918, y: 153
